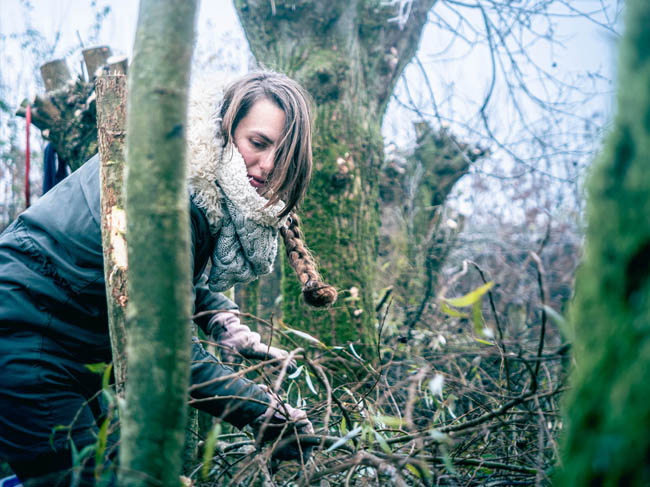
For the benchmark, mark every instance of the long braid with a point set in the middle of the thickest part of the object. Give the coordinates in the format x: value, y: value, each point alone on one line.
x: 314, y: 290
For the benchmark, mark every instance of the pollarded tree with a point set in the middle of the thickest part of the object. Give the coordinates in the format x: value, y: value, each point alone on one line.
x: 349, y: 55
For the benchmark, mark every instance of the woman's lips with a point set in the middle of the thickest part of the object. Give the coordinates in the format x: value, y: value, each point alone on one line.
x: 256, y: 182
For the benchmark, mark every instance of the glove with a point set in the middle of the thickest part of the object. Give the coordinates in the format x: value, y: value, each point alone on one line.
x: 237, y: 339
x: 285, y: 422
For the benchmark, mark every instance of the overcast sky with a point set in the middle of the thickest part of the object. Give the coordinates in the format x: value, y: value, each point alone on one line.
x: 586, y: 50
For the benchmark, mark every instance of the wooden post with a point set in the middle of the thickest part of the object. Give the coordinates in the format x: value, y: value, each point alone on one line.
x: 111, y: 134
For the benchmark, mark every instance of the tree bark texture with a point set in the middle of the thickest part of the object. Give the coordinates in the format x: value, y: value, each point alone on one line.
x: 608, y: 411
x: 159, y: 287
x: 111, y: 133
x: 349, y: 56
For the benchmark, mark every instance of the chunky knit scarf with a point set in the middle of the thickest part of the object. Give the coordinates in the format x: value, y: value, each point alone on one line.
x: 244, y: 226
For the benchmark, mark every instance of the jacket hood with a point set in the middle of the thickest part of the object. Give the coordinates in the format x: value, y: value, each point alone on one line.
x: 215, y: 171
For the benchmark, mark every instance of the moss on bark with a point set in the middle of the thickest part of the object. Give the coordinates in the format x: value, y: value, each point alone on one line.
x: 158, y: 235
x: 347, y: 54
x: 608, y: 412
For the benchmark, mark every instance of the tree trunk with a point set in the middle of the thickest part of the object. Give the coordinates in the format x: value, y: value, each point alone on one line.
x: 158, y: 232
x: 111, y: 132
x: 349, y: 57
x: 608, y: 411
x: 437, y: 163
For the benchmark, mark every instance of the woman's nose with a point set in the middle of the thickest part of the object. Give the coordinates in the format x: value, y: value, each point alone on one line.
x: 266, y: 161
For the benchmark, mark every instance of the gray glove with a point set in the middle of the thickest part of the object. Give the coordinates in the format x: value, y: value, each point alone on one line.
x: 286, y: 422
x: 235, y: 339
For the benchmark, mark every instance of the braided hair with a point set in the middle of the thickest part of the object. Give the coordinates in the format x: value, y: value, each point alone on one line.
x: 314, y: 291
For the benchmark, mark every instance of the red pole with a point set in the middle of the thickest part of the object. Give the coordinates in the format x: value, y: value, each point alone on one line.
x: 28, y: 118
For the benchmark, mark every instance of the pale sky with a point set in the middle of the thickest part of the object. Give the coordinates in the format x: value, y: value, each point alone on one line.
x: 587, y: 48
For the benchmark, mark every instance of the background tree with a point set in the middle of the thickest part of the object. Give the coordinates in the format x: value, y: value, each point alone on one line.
x: 349, y: 57
x: 159, y: 286
x: 608, y: 412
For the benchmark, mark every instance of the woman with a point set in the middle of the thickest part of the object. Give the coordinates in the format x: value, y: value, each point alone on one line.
x: 249, y: 153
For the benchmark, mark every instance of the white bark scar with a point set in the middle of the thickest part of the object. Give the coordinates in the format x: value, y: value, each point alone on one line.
x: 117, y: 223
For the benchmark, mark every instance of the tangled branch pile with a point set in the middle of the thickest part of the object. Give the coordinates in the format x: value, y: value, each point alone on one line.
x: 446, y: 408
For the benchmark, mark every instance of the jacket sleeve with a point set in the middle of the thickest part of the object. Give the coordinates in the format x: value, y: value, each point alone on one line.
x: 221, y: 392
x: 215, y: 388
x: 205, y: 300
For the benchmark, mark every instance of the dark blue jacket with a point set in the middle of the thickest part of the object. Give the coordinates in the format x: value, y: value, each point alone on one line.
x: 53, y: 312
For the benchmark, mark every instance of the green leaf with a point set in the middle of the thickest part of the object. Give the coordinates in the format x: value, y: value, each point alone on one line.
x: 97, y: 368
x: 101, y: 444
x: 471, y: 297
x: 107, y: 376
x: 413, y: 470
x: 390, y: 421
x: 484, y: 342
x: 342, y: 441
x: 477, y: 318
x: 210, y: 445
x: 555, y: 316
x: 309, y: 383
x: 296, y: 373
x: 58, y: 427
x: 382, y: 442
x: 306, y: 336
x: 354, y: 352
x: 448, y: 463
x: 444, y: 307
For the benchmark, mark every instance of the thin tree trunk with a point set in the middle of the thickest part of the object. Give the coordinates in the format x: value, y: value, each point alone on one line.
x: 608, y: 411
x: 111, y: 133
x: 159, y: 285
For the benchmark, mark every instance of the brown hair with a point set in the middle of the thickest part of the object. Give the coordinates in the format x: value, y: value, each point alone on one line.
x: 291, y: 172
x: 314, y: 290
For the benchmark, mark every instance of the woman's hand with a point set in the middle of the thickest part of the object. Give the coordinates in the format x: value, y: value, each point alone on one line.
x: 235, y: 339
x: 283, y: 423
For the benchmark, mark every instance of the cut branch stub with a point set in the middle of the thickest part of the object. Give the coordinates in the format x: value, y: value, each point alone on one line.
x: 117, y: 65
x: 95, y: 58
x: 55, y: 74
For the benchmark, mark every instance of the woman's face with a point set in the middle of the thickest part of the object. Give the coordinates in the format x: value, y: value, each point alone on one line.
x: 257, y: 136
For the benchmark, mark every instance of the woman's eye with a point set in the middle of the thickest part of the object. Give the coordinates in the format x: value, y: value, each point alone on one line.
x: 258, y: 144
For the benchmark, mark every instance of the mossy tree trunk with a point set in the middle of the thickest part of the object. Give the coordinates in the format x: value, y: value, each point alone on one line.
x: 159, y: 286
x: 348, y: 55
x: 608, y: 411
